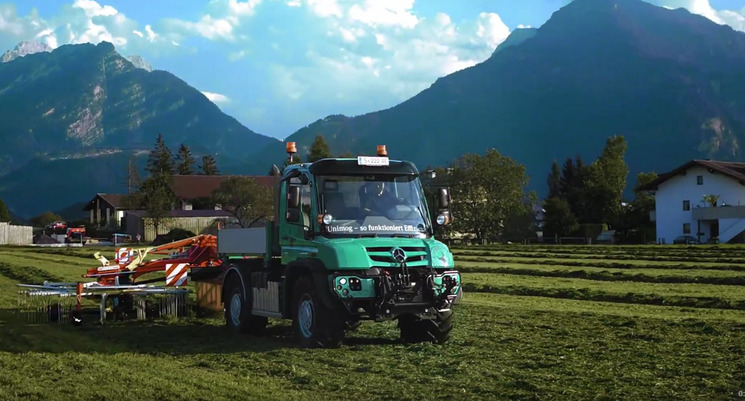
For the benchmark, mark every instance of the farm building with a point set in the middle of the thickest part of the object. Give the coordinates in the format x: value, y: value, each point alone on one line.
x: 106, y: 210
x: 193, y: 210
x: 703, y: 199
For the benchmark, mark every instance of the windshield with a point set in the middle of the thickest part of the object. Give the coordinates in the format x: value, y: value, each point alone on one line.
x: 377, y: 205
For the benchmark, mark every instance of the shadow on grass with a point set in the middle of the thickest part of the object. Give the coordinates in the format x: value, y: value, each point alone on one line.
x: 183, y: 336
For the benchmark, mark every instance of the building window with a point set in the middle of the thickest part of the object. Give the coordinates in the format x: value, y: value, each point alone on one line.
x: 699, y: 180
x: 686, y: 205
x: 686, y: 228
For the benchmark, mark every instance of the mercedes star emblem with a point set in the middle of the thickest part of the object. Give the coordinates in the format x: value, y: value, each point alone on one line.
x: 399, y: 255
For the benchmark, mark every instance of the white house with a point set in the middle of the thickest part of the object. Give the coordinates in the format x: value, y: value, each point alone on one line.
x: 681, y: 206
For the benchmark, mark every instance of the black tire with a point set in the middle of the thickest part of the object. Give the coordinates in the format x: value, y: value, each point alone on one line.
x: 238, y: 317
x: 314, y: 324
x: 417, y: 330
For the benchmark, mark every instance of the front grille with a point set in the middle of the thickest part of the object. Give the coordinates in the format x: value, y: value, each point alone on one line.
x: 415, y: 255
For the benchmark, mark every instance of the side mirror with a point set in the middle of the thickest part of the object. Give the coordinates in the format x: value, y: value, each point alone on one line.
x: 293, y: 197
x: 443, y: 195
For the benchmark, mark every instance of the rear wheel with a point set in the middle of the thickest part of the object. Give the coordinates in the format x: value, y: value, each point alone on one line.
x: 238, y: 315
x: 416, y: 330
x: 314, y: 324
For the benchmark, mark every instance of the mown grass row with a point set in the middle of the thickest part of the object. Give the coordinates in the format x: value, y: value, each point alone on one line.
x: 718, y: 277
x: 735, y: 251
x: 710, y: 259
x: 603, y: 263
x: 702, y: 282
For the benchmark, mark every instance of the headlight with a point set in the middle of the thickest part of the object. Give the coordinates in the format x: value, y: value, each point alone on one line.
x: 328, y: 219
x: 441, y: 220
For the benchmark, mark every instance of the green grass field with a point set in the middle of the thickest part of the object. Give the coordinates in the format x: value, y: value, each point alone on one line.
x: 536, y: 323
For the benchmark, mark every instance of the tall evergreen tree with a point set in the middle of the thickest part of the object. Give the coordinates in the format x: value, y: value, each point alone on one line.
x: 4, y: 212
x: 606, y: 181
x: 185, y: 161
x: 559, y: 219
x: 296, y: 159
x: 554, y: 181
x: 209, y: 166
x: 319, y: 149
x: 160, y: 159
x: 157, y: 198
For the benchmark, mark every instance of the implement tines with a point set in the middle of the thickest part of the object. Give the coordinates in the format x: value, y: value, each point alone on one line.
x: 37, y: 306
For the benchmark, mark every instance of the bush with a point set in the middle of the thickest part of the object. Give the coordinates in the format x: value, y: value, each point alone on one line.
x: 173, y: 235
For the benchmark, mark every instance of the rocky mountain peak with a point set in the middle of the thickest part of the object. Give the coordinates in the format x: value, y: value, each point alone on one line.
x: 23, y: 49
x: 139, y: 62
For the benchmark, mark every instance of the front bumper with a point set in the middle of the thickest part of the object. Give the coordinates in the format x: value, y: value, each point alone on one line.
x: 384, y: 293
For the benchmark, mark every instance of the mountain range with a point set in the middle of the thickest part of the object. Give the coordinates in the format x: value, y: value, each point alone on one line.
x: 72, y: 118
x: 671, y: 82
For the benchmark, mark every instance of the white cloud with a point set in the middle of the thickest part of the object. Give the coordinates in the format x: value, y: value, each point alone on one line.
x: 735, y: 19
x: 93, y: 9
x: 208, y: 27
x: 9, y: 21
x: 243, y: 8
x: 385, y: 12
x: 491, y: 29
x: 325, y: 8
x: 216, y: 97
x: 151, y: 35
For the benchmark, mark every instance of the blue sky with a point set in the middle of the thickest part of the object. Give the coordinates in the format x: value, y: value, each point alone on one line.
x: 278, y: 65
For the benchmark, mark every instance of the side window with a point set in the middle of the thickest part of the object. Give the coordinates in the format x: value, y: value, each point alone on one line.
x: 298, y: 201
x: 686, y: 205
x: 699, y: 180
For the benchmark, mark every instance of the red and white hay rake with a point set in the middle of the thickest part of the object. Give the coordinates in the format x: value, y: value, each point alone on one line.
x: 126, y: 281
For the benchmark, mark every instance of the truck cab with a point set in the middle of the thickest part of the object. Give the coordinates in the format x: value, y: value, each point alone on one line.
x: 352, y: 239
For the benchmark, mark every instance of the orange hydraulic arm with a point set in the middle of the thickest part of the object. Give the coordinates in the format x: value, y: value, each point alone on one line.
x: 194, y: 252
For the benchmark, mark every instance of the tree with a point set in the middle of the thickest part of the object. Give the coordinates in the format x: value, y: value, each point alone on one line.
x: 637, y: 225
x: 294, y: 159
x: 4, y: 212
x: 45, y: 219
x: 554, y: 181
x: 488, y: 191
x: 319, y: 149
x: 606, y: 181
x: 185, y: 161
x: 245, y: 198
x: 160, y: 159
x: 156, y: 198
x: 209, y: 165
x: 559, y: 219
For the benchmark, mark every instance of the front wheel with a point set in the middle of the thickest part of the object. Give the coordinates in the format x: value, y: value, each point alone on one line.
x: 238, y: 315
x: 416, y: 330
x: 314, y: 324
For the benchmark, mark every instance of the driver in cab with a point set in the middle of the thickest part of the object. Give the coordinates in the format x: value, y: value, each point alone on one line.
x: 376, y: 199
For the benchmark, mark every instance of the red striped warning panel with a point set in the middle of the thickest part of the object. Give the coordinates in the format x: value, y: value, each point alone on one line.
x: 176, y: 274
x: 124, y: 255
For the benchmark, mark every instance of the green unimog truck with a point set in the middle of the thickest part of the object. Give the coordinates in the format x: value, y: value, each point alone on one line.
x: 352, y: 239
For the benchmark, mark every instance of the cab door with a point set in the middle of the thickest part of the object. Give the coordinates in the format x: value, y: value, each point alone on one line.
x: 299, y: 220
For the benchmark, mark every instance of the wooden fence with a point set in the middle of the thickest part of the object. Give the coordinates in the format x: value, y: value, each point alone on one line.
x: 16, y: 235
